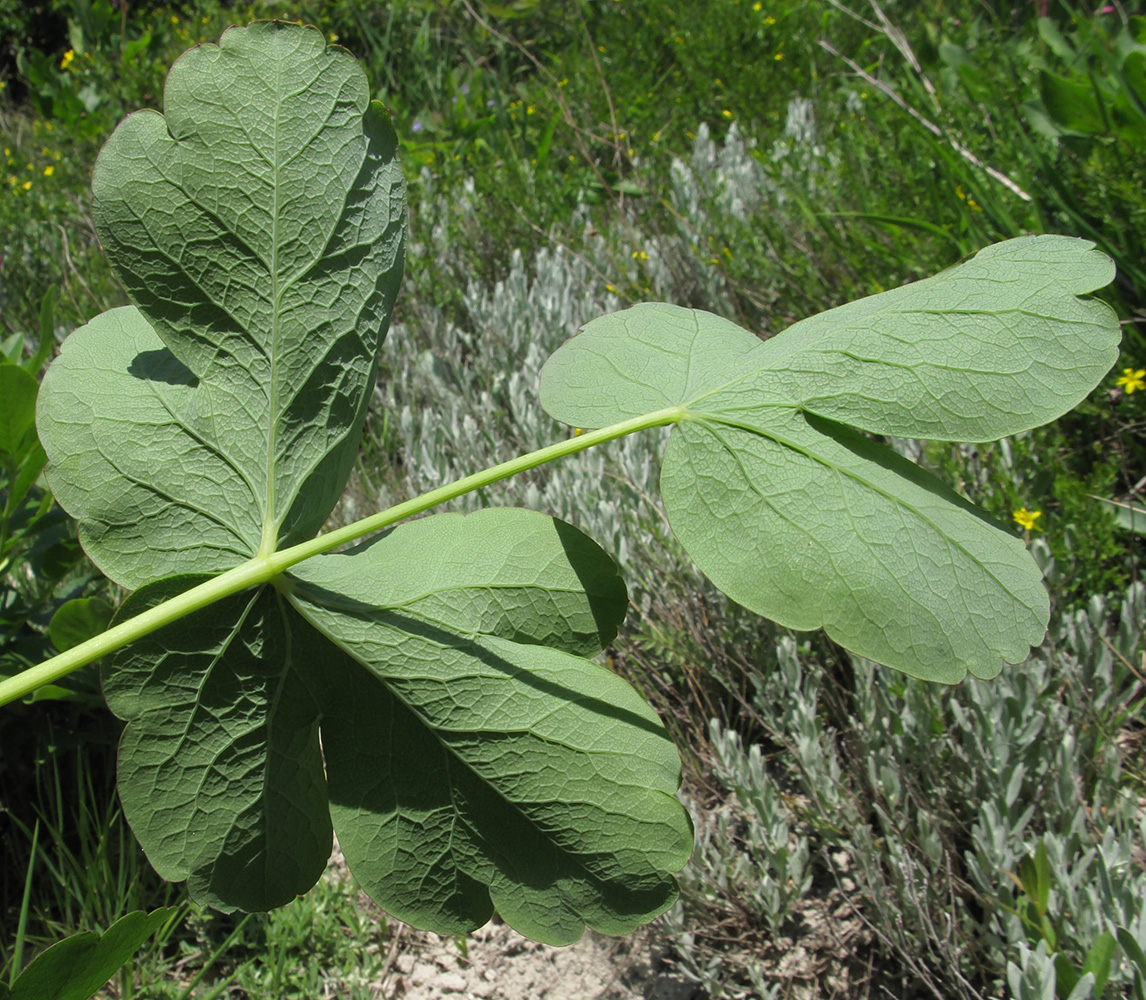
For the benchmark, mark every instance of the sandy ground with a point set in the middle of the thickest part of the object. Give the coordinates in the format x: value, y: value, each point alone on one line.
x: 500, y: 964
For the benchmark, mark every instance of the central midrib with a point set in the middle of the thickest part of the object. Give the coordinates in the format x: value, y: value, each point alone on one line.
x: 269, y: 540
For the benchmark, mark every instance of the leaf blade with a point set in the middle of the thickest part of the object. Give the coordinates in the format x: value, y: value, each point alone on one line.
x: 78, y: 966
x: 820, y: 527
x: 135, y: 462
x: 516, y: 776
x: 220, y: 771
x: 259, y: 226
x: 993, y: 346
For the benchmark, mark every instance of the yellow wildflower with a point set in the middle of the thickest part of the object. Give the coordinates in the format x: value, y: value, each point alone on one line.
x: 27, y: 185
x: 67, y: 60
x: 49, y: 170
x: 726, y: 113
x: 1132, y: 379
x: 1025, y: 519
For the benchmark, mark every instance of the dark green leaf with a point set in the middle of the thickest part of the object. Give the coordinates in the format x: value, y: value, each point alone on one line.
x: 220, y: 771
x: 78, y: 620
x: 470, y: 766
x: 77, y: 967
x: 1073, y: 104
x: 474, y: 761
x: 17, y: 413
x: 1099, y: 959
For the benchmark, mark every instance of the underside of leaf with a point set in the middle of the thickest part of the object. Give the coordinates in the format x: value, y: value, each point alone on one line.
x: 801, y: 518
x: 472, y: 758
x: 259, y: 226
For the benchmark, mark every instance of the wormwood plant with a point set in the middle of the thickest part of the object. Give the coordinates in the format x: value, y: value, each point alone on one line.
x: 427, y: 693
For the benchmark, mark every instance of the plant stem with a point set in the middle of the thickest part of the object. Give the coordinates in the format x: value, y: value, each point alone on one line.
x: 376, y: 522
x: 261, y: 569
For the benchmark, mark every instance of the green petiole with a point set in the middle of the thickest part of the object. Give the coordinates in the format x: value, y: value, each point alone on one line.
x: 262, y: 569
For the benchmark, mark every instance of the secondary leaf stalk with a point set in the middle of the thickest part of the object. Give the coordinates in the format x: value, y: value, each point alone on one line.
x: 262, y: 569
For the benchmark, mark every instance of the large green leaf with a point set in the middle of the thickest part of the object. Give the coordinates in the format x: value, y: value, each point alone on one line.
x: 79, y: 966
x: 802, y: 519
x: 474, y: 758
x: 478, y: 764
x: 132, y: 461
x: 220, y: 772
x: 258, y: 225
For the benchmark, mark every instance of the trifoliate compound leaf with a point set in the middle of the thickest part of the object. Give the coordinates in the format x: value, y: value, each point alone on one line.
x: 472, y: 768
x: 258, y: 225
x: 469, y: 766
x: 808, y: 522
x: 220, y: 772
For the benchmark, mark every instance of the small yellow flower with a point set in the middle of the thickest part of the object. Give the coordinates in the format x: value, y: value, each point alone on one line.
x: 530, y: 110
x: 726, y: 113
x: 1025, y: 519
x: 27, y: 185
x: 757, y: 6
x: 769, y: 21
x: 577, y: 432
x: 640, y: 255
x: 1132, y: 379
x: 67, y: 60
x: 49, y: 170
x: 611, y: 288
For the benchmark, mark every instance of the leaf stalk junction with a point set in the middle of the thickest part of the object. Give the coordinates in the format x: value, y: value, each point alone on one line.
x: 263, y: 569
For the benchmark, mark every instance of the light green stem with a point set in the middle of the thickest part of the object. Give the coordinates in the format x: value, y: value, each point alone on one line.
x: 262, y: 569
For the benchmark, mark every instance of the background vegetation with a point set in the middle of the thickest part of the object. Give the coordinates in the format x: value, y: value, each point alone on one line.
x: 765, y: 161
